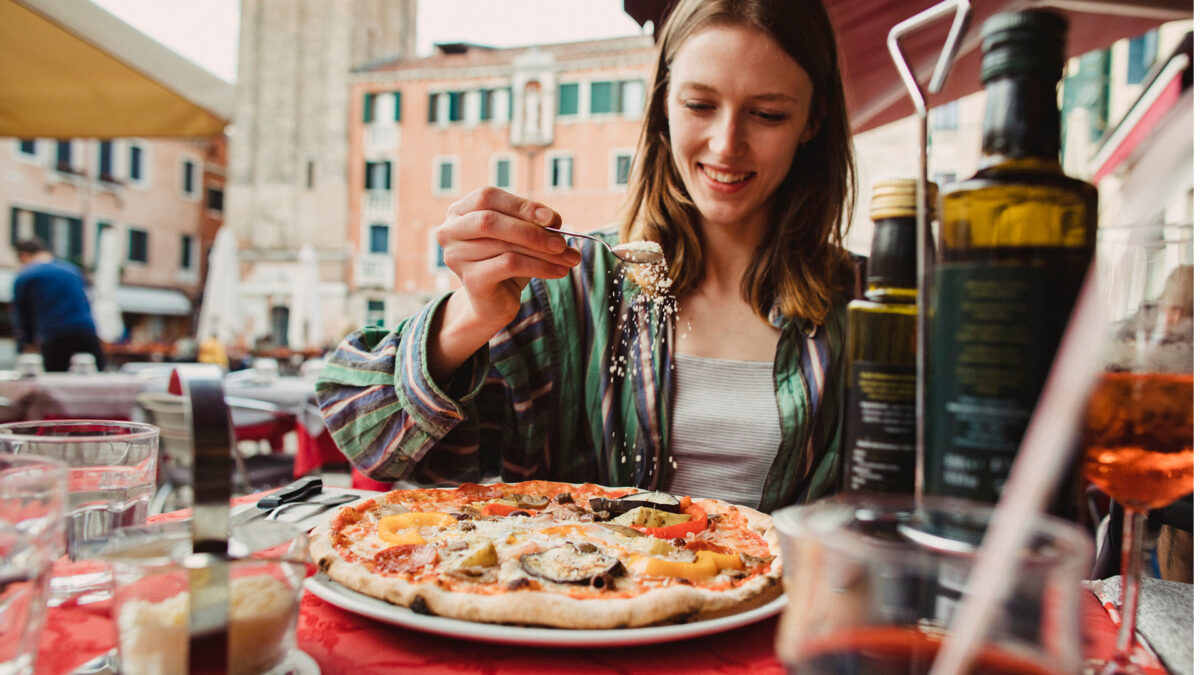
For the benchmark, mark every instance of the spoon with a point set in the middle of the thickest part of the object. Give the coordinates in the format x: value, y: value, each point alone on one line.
x: 634, y: 252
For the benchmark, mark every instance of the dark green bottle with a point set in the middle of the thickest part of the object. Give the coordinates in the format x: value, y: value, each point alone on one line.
x: 879, y: 441
x: 1015, y: 242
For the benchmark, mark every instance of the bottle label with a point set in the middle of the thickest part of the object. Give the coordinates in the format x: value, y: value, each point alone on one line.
x: 881, y: 427
x: 994, y: 333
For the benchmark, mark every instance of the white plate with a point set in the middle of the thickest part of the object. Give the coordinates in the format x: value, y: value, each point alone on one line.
x: 337, y: 595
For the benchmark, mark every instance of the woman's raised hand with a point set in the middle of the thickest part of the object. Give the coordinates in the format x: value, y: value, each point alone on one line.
x: 494, y: 241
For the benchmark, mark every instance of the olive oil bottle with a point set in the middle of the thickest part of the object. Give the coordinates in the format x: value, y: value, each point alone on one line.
x: 1015, y: 243
x: 879, y: 441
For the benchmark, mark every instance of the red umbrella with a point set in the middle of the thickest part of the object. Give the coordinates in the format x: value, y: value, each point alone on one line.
x: 874, y: 90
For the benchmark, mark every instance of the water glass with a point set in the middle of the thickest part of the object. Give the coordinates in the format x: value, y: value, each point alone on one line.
x: 24, y: 569
x: 874, y: 584
x: 110, y: 482
x: 152, y: 600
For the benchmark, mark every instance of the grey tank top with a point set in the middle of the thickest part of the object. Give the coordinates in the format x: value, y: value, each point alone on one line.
x: 724, y: 428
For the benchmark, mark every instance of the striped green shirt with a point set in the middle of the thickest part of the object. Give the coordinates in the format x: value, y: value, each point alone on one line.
x: 577, y: 388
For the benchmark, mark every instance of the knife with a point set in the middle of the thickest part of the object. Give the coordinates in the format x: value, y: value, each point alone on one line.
x: 296, y: 491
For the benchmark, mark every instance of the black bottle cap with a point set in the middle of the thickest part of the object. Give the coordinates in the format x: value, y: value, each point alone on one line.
x: 1026, y: 43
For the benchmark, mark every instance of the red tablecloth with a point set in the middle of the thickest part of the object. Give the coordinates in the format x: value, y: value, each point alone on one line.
x: 343, y: 642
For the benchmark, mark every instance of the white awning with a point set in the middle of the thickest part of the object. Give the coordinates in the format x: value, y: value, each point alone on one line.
x: 162, y: 301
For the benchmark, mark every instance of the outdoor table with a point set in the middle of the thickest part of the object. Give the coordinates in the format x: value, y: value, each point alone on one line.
x: 344, y: 642
x: 105, y: 396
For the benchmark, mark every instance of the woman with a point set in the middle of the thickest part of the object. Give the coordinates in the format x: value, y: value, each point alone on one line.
x: 548, y: 363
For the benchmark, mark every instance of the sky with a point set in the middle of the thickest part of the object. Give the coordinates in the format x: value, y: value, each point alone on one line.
x: 205, y: 31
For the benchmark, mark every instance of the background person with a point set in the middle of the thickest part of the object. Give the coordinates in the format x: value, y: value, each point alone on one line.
x: 549, y: 363
x: 51, y: 309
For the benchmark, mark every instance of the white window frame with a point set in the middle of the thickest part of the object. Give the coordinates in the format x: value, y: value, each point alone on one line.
x: 493, y: 166
x: 367, y: 310
x: 471, y: 108
x: 124, y: 165
x: 129, y: 230
x: 391, y: 245
x: 613, y: 156
x: 636, y: 111
x: 36, y: 157
x: 500, y: 105
x: 551, y: 157
x: 197, y: 178
x: 438, y: 190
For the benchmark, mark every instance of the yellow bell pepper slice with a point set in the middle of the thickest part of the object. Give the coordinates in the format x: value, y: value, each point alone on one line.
x: 723, y: 561
x: 703, y: 568
x: 402, y: 528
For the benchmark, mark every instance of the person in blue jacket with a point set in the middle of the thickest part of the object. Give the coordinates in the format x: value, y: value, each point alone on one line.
x: 51, y: 308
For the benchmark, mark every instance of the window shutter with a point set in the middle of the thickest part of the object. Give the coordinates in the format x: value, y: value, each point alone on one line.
x: 456, y: 106
x: 602, y: 97
x: 568, y: 99
x: 368, y: 112
x: 397, y: 99
x: 433, y: 101
x: 485, y: 105
x: 387, y: 175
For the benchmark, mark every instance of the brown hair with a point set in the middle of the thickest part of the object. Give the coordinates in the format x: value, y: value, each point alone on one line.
x: 801, y: 259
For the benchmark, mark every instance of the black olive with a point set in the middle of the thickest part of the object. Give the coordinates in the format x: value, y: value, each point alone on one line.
x: 517, y: 584
x: 564, y: 498
x: 419, y: 606
x: 679, y: 541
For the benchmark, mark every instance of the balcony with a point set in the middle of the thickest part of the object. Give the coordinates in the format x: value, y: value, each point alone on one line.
x: 379, y: 205
x: 375, y: 271
x: 380, y: 140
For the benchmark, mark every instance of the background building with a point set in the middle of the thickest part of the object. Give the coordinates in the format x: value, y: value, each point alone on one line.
x: 557, y: 123
x: 287, y: 180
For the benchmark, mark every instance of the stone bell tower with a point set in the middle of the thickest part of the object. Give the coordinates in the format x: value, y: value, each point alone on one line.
x: 286, y: 186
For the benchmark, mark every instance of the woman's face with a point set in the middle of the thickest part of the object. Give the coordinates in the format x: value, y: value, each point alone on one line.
x: 737, y: 108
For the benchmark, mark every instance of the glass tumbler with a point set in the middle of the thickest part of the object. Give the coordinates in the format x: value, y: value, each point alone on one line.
x: 23, y: 573
x: 110, y: 482
x: 874, y: 584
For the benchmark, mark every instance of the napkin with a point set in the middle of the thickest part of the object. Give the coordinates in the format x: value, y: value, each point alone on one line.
x: 1164, y: 618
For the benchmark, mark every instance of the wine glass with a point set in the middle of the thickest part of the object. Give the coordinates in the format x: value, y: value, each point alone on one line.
x: 1138, y: 429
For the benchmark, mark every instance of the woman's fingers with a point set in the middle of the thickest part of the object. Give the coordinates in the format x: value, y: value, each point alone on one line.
x: 496, y: 214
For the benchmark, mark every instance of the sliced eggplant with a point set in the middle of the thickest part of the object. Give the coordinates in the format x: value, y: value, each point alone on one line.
x: 655, y: 500
x: 568, y: 564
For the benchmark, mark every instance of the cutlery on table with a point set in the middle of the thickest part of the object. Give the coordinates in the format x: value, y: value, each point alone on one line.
x: 297, y: 491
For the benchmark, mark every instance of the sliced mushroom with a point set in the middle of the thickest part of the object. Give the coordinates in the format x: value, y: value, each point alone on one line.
x: 567, y: 564
x: 535, y: 502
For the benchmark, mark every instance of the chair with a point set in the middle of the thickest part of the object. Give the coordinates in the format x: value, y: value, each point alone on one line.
x: 252, y: 473
x: 255, y: 420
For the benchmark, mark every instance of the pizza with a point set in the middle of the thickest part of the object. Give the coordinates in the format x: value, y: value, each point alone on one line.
x: 553, y: 554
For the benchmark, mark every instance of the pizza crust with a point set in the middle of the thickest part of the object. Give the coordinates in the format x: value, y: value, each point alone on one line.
x: 678, y: 603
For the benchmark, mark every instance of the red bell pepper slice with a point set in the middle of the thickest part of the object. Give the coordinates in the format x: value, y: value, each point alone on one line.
x: 696, y: 525
x: 494, y: 509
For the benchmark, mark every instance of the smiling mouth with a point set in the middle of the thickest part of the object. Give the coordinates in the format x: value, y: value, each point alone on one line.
x: 725, y: 177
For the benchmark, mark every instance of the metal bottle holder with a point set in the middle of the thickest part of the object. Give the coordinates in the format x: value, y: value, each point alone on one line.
x: 962, y: 15
x: 208, y: 565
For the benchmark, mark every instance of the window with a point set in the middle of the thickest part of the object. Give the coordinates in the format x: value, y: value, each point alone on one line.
x: 561, y: 172
x: 455, y: 112
x: 623, y: 96
x: 63, y: 234
x: 568, y: 99
x: 439, y: 257
x: 378, y: 239
x: 136, y: 155
x: 502, y: 172
x: 622, y: 162
x: 138, y: 246
x: 189, y: 178
x: 376, y: 313
x: 62, y: 156
x: 944, y: 117
x: 433, y: 107
x: 495, y: 104
x: 106, y: 162
x: 1143, y: 51
x: 185, y: 252
x: 375, y: 106
x: 27, y: 147
x: 445, y: 178
x: 215, y: 200
x: 379, y: 175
